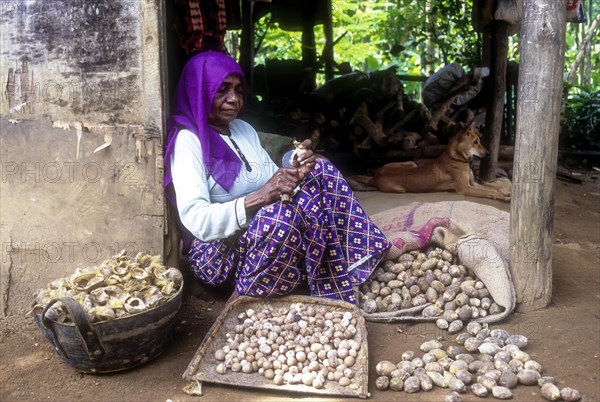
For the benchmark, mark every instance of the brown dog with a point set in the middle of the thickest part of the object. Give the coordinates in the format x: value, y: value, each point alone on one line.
x: 451, y: 171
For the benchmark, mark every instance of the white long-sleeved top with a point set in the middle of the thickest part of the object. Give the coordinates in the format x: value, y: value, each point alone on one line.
x: 205, y: 208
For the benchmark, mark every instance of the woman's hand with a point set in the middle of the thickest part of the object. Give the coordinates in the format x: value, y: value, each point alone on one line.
x: 284, y: 181
x: 304, y: 157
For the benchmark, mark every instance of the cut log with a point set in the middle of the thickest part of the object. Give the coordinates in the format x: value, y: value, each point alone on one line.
x: 375, y: 132
x: 439, y: 109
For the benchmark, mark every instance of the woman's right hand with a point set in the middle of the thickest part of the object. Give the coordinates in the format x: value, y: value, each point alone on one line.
x: 284, y: 181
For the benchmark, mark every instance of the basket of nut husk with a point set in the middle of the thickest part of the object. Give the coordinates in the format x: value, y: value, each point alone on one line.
x: 112, y: 316
x: 293, y: 343
x: 452, y: 288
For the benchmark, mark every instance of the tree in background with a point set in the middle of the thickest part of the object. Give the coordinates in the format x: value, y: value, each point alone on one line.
x: 419, y: 37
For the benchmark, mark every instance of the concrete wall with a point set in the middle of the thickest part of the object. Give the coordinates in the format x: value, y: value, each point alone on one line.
x: 81, y: 117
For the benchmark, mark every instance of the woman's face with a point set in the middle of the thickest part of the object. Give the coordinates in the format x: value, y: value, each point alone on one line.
x: 228, y: 101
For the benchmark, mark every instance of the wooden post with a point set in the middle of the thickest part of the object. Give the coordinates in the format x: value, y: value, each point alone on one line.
x: 247, y: 44
x: 328, y: 33
x: 493, y: 118
x: 536, y: 151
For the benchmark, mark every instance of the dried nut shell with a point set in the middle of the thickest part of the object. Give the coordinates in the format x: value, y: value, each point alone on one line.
x: 438, y: 379
x: 485, y: 303
x: 458, y: 365
x: 487, y: 382
x: 438, y: 286
x: 399, y: 373
x: 382, y: 383
x: 370, y: 306
x: 221, y: 369
x: 344, y: 381
x: 319, y: 381
x: 457, y: 385
x: 546, y: 379
x: 501, y: 392
x: 479, y: 390
x: 426, y: 382
x: 408, y: 355
x: 499, y: 333
x: 385, y: 367
x: 472, y: 344
x: 464, y: 313
x: 528, y: 377
x: 473, y: 328
x: 455, y: 326
x: 461, y: 338
x: 489, y: 348
x: 397, y: 384
x: 461, y: 299
x: 442, y: 323
x: 465, y: 376
x: 517, y: 340
x: 532, y: 365
x: 570, y: 394
x: 430, y: 345
x: 429, y: 264
x: 412, y: 385
x: 453, y: 397
x: 550, y: 392
x: 517, y: 354
x: 431, y: 295
x: 508, y: 379
x: 431, y: 311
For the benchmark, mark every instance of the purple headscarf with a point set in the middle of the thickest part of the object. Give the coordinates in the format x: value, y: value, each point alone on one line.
x: 200, y: 79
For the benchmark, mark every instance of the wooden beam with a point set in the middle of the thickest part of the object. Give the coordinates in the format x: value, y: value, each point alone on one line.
x: 495, y: 114
x: 328, y: 33
x: 247, y: 43
x: 536, y: 151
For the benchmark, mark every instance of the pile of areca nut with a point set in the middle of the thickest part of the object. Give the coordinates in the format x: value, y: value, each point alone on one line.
x: 433, y: 283
x: 299, y: 344
x: 483, y: 361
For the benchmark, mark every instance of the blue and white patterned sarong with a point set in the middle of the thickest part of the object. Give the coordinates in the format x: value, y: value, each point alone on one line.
x: 323, y: 237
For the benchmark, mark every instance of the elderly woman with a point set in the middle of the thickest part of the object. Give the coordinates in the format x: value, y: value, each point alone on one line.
x: 228, y: 191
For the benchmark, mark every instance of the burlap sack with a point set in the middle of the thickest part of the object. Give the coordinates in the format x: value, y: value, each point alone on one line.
x: 476, y: 233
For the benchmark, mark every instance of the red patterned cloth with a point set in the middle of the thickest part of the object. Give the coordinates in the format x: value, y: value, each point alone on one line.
x: 201, y: 24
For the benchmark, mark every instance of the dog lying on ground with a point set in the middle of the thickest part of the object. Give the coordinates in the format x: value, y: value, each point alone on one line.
x: 451, y: 171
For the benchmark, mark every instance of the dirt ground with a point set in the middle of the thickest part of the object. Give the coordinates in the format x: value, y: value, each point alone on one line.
x: 564, y: 337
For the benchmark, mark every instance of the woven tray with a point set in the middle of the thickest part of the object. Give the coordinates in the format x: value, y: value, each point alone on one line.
x: 203, y: 364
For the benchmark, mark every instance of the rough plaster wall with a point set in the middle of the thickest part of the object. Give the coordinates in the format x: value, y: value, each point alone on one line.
x: 80, y: 138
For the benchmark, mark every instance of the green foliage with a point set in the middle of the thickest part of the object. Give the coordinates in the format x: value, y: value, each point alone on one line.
x: 419, y: 37
x: 580, y: 125
x: 575, y: 32
x: 378, y: 33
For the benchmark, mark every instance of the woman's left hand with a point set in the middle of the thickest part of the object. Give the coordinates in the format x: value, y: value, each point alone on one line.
x: 305, y: 159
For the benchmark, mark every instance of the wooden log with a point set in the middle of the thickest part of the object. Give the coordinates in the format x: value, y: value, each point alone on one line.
x: 361, y: 118
x: 439, y: 109
x: 536, y: 151
x: 495, y: 112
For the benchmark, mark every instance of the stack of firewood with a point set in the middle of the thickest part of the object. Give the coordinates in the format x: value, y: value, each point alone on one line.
x: 370, y: 115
